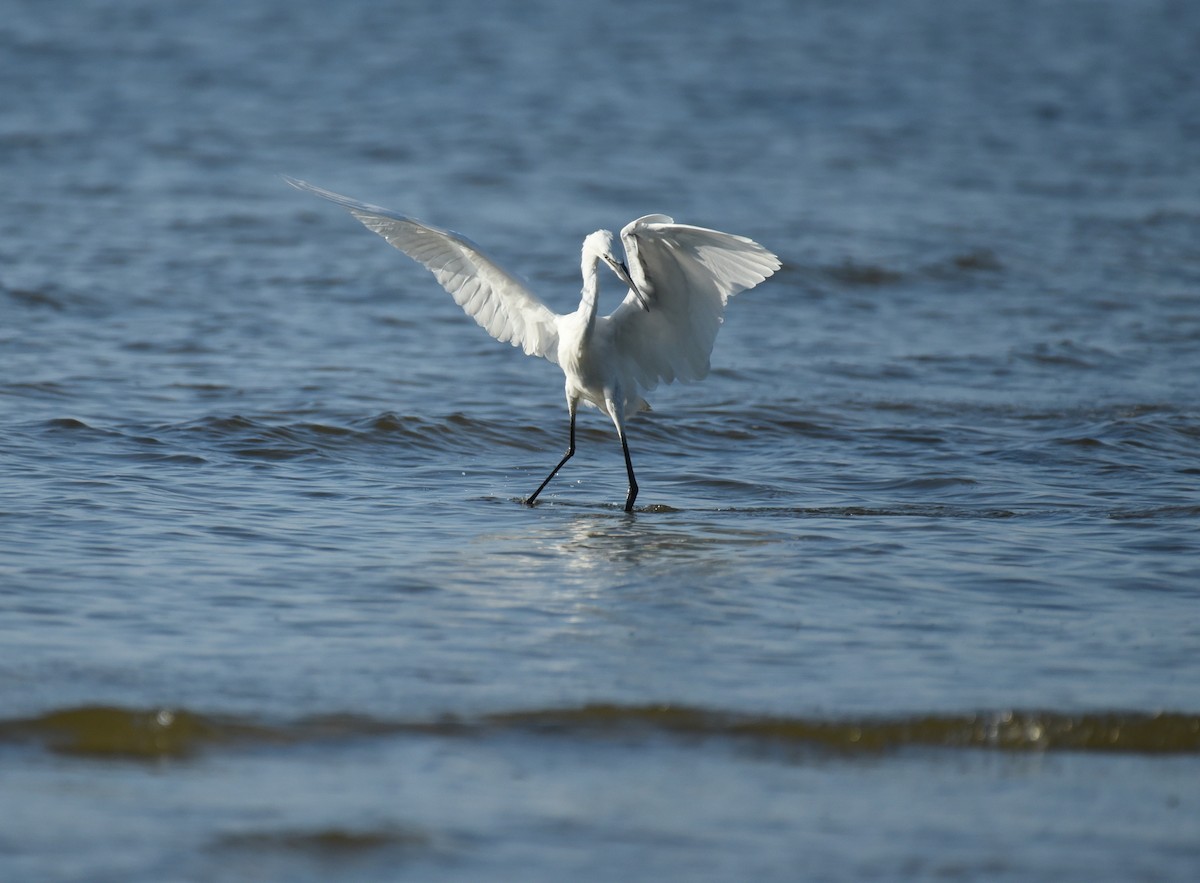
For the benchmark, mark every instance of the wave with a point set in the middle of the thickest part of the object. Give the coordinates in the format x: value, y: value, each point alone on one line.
x: 101, y: 732
x: 850, y: 273
x: 1143, y: 436
x: 327, y: 842
x: 296, y: 436
x: 283, y: 437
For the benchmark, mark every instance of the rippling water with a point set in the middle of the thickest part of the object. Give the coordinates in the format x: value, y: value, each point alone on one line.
x: 911, y: 588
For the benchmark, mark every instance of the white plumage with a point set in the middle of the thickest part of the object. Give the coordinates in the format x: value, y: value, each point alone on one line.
x: 679, y: 279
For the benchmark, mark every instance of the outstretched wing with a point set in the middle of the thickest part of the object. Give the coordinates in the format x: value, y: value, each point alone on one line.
x: 489, y: 294
x: 686, y: 275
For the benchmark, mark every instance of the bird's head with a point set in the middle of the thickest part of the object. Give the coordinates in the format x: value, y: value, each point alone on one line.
x: 598, y: 247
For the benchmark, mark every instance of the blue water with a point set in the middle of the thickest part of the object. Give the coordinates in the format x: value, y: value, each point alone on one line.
x: 911, y: 587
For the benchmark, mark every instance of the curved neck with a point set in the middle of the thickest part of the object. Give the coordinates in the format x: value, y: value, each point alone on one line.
x: 590, y: 294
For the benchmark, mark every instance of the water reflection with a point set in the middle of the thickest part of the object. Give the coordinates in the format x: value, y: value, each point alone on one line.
x: 589, y: 542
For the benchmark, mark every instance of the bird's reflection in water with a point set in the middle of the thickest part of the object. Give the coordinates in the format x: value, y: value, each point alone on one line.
x: 612, y: 543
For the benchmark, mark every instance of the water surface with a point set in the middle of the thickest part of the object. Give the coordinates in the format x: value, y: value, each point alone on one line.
x: 911, y: 587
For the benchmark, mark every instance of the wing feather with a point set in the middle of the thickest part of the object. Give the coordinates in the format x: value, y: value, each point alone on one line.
x: 687, y: 275
x: 497, y: 300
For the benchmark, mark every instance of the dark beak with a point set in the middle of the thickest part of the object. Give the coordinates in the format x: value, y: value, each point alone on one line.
x: 622, y: 272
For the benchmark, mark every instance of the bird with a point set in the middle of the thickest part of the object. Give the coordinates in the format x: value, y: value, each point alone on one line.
x: 678, y: 277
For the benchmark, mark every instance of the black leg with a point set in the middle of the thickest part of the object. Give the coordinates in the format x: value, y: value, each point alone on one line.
x: 633, y: 488
x: 553, y: 472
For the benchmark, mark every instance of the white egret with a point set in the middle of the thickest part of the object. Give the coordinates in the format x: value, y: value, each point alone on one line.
x: 679, y: 279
